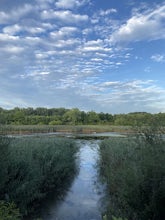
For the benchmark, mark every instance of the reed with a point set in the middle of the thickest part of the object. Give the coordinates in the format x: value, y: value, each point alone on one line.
x: 134, y: 171
x: 34, y: 167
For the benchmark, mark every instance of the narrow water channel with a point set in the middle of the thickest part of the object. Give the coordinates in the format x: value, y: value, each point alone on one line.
x: 83, y: 200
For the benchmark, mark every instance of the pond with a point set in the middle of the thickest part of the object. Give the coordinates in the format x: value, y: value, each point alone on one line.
x: 83, y: 199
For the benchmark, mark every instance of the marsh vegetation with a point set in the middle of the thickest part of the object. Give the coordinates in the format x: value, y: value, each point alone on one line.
x: 33, y: 167
x: 134, y: 171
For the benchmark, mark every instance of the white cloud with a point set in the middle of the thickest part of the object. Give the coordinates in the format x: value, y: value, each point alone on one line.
x: 16, y: 28
x: 94, y: 42
x: 64, y: 32
x: 70, y: 4
x: 148, y: 25
x: 40, y: 55
x: 87, y: 31
x: 97, y: 59
x: 108, y: 11
x: 33, y: 41
x: 13, y: 49
x: 7, y: 37
x: 42, y: 73
x: 15, y: 14
x: 12, y: 30
x: 109, y: 84
x: 118, y: 95
x: 35, y: 30
x: 65, y: 16
x: 160, y: 58
x: 66, y: 43
x: 54, y: 45
x: 4, y: 17
x: 96, y: 48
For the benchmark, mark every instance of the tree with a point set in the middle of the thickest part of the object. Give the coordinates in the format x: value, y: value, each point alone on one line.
x: 92, y: 117
x: 72, y: 117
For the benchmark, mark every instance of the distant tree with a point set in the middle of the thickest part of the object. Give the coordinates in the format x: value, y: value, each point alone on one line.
x: 92, y: 118
x: 105, y: 117
x: 41, y: 111
x: 18, y: 116
x: 30, y: 116
x: 72, y: 116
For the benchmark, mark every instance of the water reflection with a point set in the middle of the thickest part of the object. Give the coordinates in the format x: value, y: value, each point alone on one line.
x: 82, y: 202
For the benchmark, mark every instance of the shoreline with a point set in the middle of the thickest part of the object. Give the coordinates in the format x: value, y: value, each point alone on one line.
x: 73, y: 129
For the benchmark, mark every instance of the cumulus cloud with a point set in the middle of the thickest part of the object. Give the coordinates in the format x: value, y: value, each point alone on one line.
x: 148, y: 25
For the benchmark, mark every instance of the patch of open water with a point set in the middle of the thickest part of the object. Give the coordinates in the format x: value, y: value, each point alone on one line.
x: 83, y: 200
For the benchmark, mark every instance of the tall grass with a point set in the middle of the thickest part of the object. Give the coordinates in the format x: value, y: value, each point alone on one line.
x: 134, y: 170
x: 35, y: 167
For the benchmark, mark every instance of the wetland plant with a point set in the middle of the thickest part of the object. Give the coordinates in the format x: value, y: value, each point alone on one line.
x: 33, y: 167
x: 134, y: 171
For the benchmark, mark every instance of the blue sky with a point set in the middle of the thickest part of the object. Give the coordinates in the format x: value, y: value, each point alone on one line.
x: 96, y: 55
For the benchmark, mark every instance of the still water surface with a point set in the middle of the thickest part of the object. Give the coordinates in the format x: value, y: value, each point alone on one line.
x: 83, y: 200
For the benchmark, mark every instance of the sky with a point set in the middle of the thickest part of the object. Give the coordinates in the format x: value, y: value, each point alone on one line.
x: 105, y: 56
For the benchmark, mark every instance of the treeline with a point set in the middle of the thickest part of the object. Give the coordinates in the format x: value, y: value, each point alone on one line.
x: 62, y: 116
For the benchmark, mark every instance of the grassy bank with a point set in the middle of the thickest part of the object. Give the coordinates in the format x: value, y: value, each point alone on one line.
x: 30, y: 168
x: 134, y: 171
x: 84, y: 129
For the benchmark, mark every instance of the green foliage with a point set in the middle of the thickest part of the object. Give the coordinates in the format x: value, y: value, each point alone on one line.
x: 134, y: 170
x: 58, y: 116
x: 36, y: 167
x: 72, y: 117
x: 92, y: 118
x: 9, y: 211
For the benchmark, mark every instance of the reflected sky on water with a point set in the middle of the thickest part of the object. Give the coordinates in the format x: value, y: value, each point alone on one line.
x: 82, y: 201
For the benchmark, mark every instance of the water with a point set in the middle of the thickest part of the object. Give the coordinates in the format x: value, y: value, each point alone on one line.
x: 71, y: 135
x: 83, y: 200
